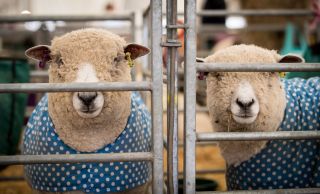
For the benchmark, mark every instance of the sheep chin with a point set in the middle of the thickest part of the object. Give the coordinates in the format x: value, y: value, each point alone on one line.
x: 244, y: 120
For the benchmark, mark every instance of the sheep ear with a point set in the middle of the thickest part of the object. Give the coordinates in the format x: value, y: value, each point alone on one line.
x: 136, y: 50
x: 291, y: 58
x: 40, y: 52
x: 200, y: 60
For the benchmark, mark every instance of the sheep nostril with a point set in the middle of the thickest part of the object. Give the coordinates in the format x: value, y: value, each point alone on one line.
x: 244, y: 104
x: 239, y: 103
x: 87, y: 99
x: 251, y: 103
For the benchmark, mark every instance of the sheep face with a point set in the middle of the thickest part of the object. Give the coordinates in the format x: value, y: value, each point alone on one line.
x: 82, y: 56
x: 243, y: 101
x: 242, y: 98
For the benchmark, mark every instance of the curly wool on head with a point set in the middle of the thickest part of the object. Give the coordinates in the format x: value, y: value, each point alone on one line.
x: 87, y: 121
x: 100, y: 49
x: 269, y: 97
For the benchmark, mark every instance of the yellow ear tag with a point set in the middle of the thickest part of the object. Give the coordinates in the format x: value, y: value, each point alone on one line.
x: 128, y: 57
x: 282, y: 74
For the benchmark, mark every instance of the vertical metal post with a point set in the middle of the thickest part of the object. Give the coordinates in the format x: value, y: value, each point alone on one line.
x: 189, y: 97
x: 156, y: 59
x: 172, y: 99
x: 133, y: 26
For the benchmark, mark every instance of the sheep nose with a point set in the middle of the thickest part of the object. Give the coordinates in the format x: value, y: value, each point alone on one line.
x: 86, y: 98
x: 245, y: 105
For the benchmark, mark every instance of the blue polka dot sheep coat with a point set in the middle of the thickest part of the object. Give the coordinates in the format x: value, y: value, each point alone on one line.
x: 41, y: 138
x: 290, y: 163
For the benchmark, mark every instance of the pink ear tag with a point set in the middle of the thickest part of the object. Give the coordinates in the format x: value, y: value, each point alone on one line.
x: 202, y: 75
x: 44, y: 60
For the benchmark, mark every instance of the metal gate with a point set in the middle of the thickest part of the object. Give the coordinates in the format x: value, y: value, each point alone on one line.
x: 191, y: 137
x: 154, y: 86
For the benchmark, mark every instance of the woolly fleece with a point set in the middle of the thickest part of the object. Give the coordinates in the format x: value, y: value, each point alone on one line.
x: 269, y: 91
x: 99, y: 48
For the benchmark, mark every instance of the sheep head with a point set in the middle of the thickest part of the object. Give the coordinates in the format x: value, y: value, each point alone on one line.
x: 88, y: 55
x: 250, y: 101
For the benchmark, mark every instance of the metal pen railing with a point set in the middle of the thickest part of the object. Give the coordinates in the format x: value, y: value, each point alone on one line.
x: 260, y: 12
x: 156, y: 61
x: 68, y: 18
x: 190, y: 135
x: 75, y: 87
x: 155, y: 86
x: 253, y: 136
x: 75, y: 158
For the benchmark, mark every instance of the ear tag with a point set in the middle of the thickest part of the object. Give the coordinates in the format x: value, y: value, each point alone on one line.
x: 43, y: 61
x: 202, y: 75
x: 282, y: 74
x: 128, y: 57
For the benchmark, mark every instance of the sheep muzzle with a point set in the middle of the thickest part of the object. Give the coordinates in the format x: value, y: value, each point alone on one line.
x: 244, y: 104
x: 88, y: 104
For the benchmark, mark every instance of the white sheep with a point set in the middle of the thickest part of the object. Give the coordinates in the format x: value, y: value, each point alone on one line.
x: 88, y: 122
x: 260, y: 101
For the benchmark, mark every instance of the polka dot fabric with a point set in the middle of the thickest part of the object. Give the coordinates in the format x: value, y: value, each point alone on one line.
x: 284, y: 164
x: 41, y: 138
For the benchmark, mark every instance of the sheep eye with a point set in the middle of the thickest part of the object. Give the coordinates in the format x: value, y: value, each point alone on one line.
x: 118, y: 58
x: 218, y: 76
x: 60, y: 62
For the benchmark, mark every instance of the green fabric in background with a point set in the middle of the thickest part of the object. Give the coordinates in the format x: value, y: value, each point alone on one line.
x: 310, y: 58
x: 295, y: 42
x: 12, y: 106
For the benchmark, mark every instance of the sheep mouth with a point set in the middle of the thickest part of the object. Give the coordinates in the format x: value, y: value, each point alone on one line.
x: 245, y: 116
x: 88, y: 111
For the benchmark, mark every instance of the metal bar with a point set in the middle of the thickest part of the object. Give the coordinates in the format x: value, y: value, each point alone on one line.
x: 198, y: 109
x: 208, y: 171
x: 78, y: 18
x: 257, y: 67
x: 133, y: 26
x: 211, y: 171
x: 75, y: 158
x: 253, y: 136
x: 176, y: 26
x: 276, y: 191
x: 180, y: 144
x: 171, y: 44
x: 205, y: 171
x: 39, y: 74
x: 11, y: 178
x: 261, y: 12
x: 172, y: 98
x: 190, y: 50
x: 208, y: 29
x: 202, y: 143
x: 75, y: 87
x: 156, y: 61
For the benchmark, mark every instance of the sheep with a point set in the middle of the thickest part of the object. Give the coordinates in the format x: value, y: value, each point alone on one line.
x: 261, y: 101
x: 88, y: 122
